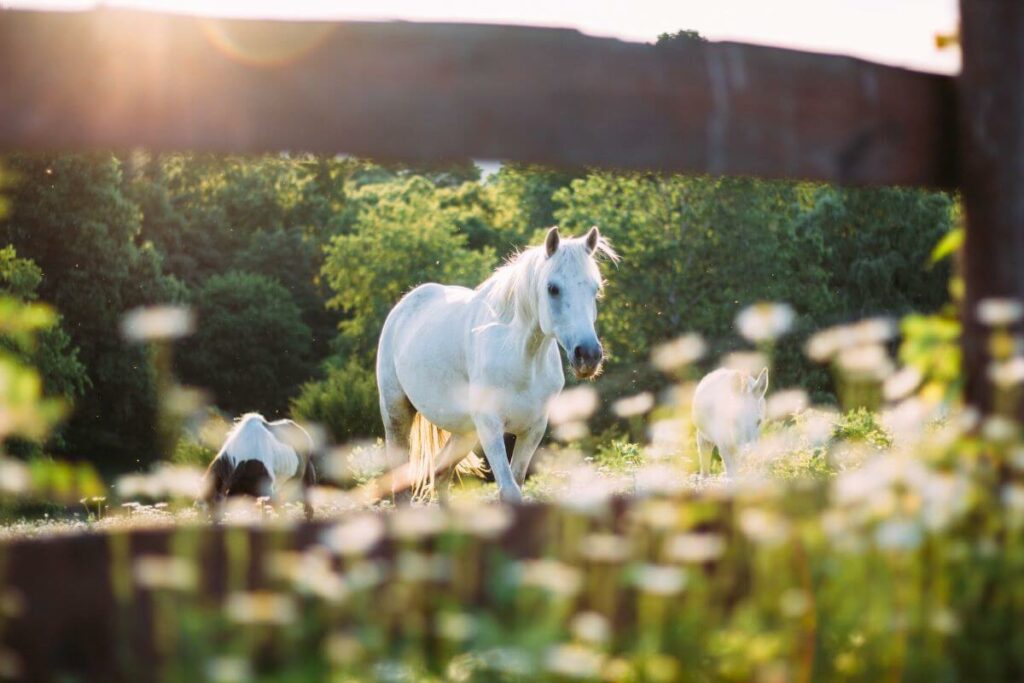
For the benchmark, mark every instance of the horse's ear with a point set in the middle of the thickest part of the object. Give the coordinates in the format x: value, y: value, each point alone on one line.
x: 761, y: 384
x: 551, y: 241
x: 593, y: 237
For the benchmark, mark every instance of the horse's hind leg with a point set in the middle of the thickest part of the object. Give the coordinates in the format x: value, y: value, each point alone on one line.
x: 704, y: 448
x: 397, y: 412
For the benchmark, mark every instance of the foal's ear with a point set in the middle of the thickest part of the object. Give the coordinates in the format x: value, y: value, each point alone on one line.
x: 593, y: 237
x: 761, y: 384
x: 551, y: 241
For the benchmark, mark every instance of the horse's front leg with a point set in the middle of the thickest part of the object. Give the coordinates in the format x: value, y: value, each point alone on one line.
x: 526, y: 446
x: 491, y: 432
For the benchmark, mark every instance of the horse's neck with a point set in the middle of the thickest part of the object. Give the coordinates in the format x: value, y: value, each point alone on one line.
x: 531, y: 342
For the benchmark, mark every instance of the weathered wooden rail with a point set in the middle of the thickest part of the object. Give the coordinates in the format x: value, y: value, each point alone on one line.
x: 435, y: 92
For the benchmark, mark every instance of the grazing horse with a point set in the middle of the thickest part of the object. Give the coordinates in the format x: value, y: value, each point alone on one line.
x: 728, y: 407
x: 458, y: 368
x: 257, y: 456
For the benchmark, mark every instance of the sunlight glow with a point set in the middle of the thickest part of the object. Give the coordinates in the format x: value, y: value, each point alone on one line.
x: 899, y: 32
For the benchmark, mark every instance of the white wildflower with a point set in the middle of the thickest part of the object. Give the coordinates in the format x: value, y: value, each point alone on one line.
x: 591, y: 627
x: 573, y: 405
x: 157, y: 322
x: 765, y: 321
x: 355, y: 536
x: 634, y: 405
x: 695, y: 547
x: 551, y: 575
x: 782, y: 404
x: 901, y: 384
x: 156, y: 572
x: 661, y: 580
x: 866, y: 363
x: 996, y: 312
x: 678, y: 353
x: 575, y: 661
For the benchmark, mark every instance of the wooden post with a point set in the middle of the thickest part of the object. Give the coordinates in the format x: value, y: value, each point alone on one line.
x: 991, y: 99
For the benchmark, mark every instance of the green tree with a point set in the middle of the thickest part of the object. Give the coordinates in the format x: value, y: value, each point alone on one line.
x: 402, y: 237
x: 251, y: 348
x: 70, y: 216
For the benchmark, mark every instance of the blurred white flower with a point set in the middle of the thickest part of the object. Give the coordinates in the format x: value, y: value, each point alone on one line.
x: 794, y: 602
x: 159, y: 572
x: 591, y: 627
x: 553, y: 576
x: 678, y: 353
x: 873, y: 331
x: 901, y: 384
x: 483, y: 520
x: 663, y: 580
x: 573, y: 405
x: 416, y: 567
x: 1008, y: 373
x: 996, y: 312
x: 660, y: 480
x: 342, y: 648
x: 634, y: 405
x: 605, y: 548
x: 695, y: 547
x: 818, y: 425
x: 456, y: 626
x: 1013, y: 498
x: 782, y: 404
x: 355, y: 536
x: 15, y: 478
x: 866, y: 363
x: 898, y: 534
x: 575, y: 661
x: 410, y: 523
x: 762, y: 526
x: 765, y: 321
x: 228, y: 669
x: 749, y: 362
x: 824, y: 345
x: 568, y: 432
x: 261, y: 607
x: 157, y: 322
x: 999, y: 428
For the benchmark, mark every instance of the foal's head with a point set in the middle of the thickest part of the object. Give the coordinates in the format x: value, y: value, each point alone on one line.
x: 569, y: 285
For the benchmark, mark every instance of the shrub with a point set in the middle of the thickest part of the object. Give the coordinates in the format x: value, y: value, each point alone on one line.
x: 345, y: 403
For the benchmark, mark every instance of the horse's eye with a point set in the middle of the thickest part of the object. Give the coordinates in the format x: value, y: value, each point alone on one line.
x: 553, y: 290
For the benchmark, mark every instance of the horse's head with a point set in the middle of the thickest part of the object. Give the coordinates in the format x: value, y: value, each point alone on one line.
x: 568, y: 293
x: 752, y: 391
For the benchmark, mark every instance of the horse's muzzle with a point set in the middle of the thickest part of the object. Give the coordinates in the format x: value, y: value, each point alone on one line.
x: 586, y: 360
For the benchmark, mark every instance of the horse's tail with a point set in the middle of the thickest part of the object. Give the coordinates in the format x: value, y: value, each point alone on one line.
x: 426, y: 440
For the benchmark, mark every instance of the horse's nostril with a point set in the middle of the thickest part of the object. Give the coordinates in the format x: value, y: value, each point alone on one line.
x: 577, y: 353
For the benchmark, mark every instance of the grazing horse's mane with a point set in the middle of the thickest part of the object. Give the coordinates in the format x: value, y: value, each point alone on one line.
x: 511, y: 292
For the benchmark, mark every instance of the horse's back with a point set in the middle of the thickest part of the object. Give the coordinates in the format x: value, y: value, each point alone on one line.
x: 715, y: 402
x: 254, y: 439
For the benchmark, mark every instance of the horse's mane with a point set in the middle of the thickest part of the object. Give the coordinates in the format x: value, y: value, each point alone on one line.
x: 511, y: 292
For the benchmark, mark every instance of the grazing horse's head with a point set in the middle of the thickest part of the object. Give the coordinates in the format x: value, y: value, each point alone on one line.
x: 569, y: 287
x: 250, y: 478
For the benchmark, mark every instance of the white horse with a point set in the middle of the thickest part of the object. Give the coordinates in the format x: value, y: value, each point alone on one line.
x: 458, y: 367
x: 728, y: 408
x: 257, y: 456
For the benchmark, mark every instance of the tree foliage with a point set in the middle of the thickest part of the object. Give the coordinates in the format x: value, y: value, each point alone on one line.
x: 251, y: 348
x: 293, y: 262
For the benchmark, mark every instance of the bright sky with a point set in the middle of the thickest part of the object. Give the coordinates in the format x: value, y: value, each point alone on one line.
x: 900, y: 32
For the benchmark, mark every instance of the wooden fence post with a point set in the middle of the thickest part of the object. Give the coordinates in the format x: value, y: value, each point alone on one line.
x: 991, y: 99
